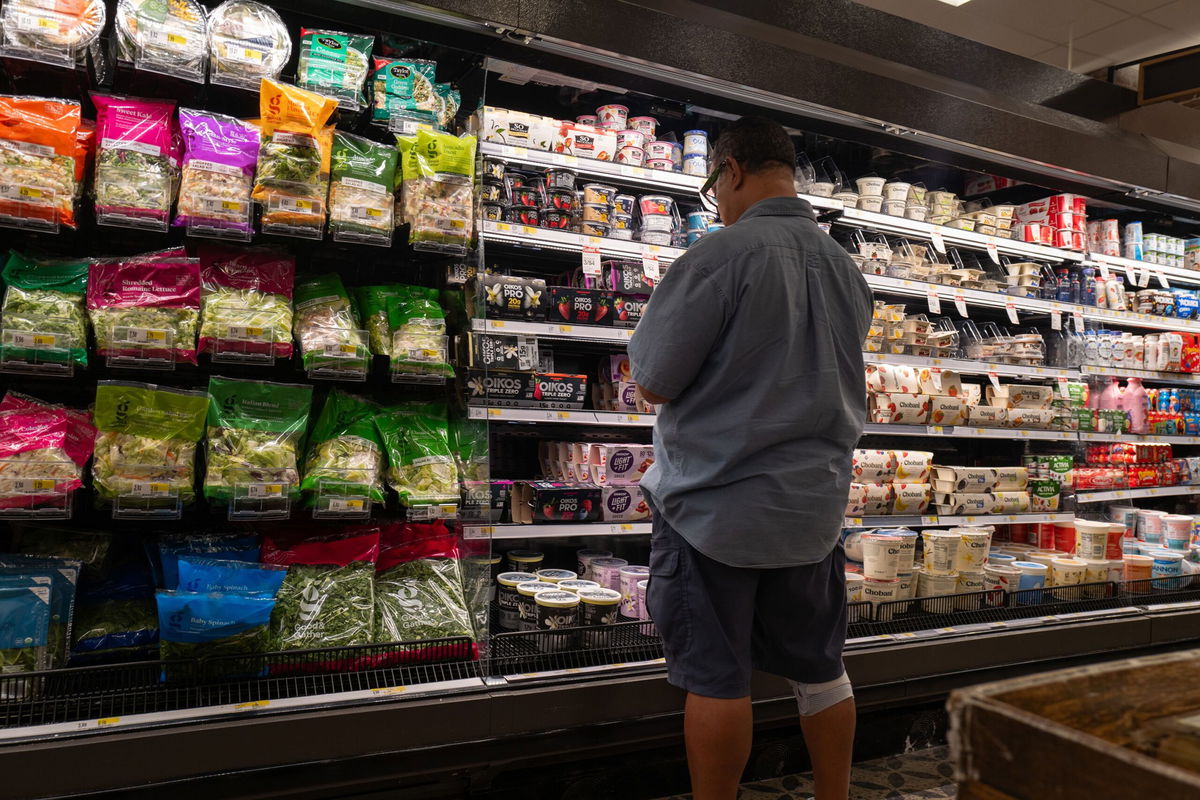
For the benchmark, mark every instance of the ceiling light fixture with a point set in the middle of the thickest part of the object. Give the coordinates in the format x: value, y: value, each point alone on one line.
x: 955, y: 3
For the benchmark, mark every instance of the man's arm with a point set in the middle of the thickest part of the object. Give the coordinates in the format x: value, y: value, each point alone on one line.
x: 652, y: 398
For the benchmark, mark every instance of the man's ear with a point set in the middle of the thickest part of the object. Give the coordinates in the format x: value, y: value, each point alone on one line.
x: 736, y: 173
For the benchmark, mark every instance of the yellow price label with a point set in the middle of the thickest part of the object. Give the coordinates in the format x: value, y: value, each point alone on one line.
x: 565, y: 329
x: 497, y: 323
x: 252, y: 704
x: 175, y: 38
x: 254, y: 331
x: 107, y: 721
x: 456, y: 224
x: 354, y: 505
x: 633, y: 418
x: 564, y: 415
x: 503, y: 226
x: 253, y: 55
x: 626, y: 528
x: 160, y: 488
x: 305, y: 205
x: 493, y: 412
x: 43, y: 484
x: 374, y: 212
x: 448, y: 508
x: 156, y: 336
x: 347, y: 348
x: 230, y: 205
x: 44, y: 339
x: 854, y: 521
x: 390, y: 690
x: 29, y: 191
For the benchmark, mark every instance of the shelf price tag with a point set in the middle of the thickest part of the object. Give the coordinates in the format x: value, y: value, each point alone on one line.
x: 1162, y: 279
x: 995, y: 379
x: 1011, y: 308
x: 1103, y: 270
x: 650, y: 266
x: 1063, y: 390
x: 591, y: 260
x: 935, y: 375
x: 935, y: 236
x: 1077, y: 315
x: 935, y: 302
x: 1144, y: 278
x: 960, y: 304
x: 1056, y: 319
x: 993, y: 250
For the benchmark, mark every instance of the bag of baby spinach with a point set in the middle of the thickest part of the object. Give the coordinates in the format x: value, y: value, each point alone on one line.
x: 64, y: 577
x: 210, y: 625
x: 114, y: 630
x: 345, y: 454
x: 172, y: 548
x: 205, y: 575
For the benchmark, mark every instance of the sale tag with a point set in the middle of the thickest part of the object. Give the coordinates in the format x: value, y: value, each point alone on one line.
x: 1063, y: 390
x: 1011, y: 308
x: 939, y: 243
x: 993, y: 249
x: 1056, y: 319
x: 1103, y: 270
x: 1144, y: 278
x: 1078, y: 317
x: 650, y: 266
x: 935, y: 302
x: 936, y: 376
x: 591, y: 261
x: 1162, y: 280
x: 960, y: 303
x: 995, y: 379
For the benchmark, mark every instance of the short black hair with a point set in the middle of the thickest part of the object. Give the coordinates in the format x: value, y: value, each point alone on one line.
x: 756, y: 143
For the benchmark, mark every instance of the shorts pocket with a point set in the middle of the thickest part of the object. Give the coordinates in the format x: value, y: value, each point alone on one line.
x: 664, y: 561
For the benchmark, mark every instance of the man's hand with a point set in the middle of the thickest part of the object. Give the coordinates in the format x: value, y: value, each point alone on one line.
x: 652, y: 398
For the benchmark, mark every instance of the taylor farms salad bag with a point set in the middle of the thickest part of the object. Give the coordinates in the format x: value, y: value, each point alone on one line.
x: 373, y: 309
x: 437, y: 199
x: 345, y: 454
x: 361, y: 205
x: 326, y: 325
x: 133, y: 166
x: 246, y: 301
x: 167, y: 36
x: 146, y: 440
x: 335, y: 64
x: 255, y: 438
x: 197, y: 574
x: 145, y: 307
x: 247, y: 41
x: 293, y: 159
x: 418, y: 328
x: 328, y: 597
x: 402, y: 90
x: 220, y: 154
x: 224, y: 547
x: 63, y: 575
x: 40, y: 167
x: 44, y: 313
x: 419, y: 585
x: 24, y: 626
x: 421, y: 465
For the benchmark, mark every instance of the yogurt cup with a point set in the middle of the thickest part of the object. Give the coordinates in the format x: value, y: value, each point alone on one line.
x: 597, y: 212
x: 662, y: 164
x: 624, y: 203
x: 1091, y: 538
x: 647, y: 125
x: 1068, y: 571
x: 916, y: 211
x: 633, y: 156
x: 659, y: 150
x: 973, y: 550
x: 941, y: 551
x: 867, y: 202
x: 598, y: 608
x: 895, y: 208
x: 1001, y: 559
x: 1064, y: 536
x: 970, y: 583
x: 653, y: 205
x: 629, y: 578
x: 1046, y: 559
x: 1116, y: 537
x: 613, y: 117
x: 870, y: 186
x: 908, y: 547
x: 848, y: 199
x: 878, y: 592
x: 906, y: 591
x: 599, y: 193
x: 507, y: 599
x: 1131, y: 546
x: 881, y: 556
x: 555, y: 219
x: 1177, y: 531
x: 559, y: 178
x: 821, y: 189
x: 524, y: 560
x: 700, y: 220
x: 998, y: 577
x: 677, y: 155
x: 555, y: 575
x: 695, y: 143
x: 594, y: 229
x: 1150, y: 524
x: 935, y: 586
x: 1033, y: 578
x: 631, y: 137
x: 1138, y: 568
x: 526, y: 607
x: 577, y: 585
x: 557, y: 617
x: 622, y: 222
x: 607, y: 572
x: 695, y: 165
x: 587, y: 119
x: 662, y: 238
x: 1166, y: 568
x: 896, y: 191
x: 1127, y: 515
x: 658, y: 223
x: 1095, y: 572
x: 854, y: 587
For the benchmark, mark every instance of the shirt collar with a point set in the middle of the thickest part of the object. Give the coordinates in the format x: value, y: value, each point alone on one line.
x: 780, y: 207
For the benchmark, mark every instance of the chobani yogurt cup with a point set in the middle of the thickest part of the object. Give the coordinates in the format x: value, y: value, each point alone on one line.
x: 871, y: 186
x: 879, y: 592
x: 881, y: 556
x: 907, y: 590
x: 972, y: 584
x: 941, y: 551
x: 1091, y: 538
x: 908, y: 546
x: 555, y: 575
x: 873, y: 203
x: 896, y: 191
x: 973, y: 550
x: 607, y: 572
x: 526, y: 608
x: 507, y: 599
x: 583, y: 560
x: 934, y: 586
x: 1000, y: 577
x: 629, y: 578
x: 1068, y: 571
x: 821, y: 189
x: 557, y: 615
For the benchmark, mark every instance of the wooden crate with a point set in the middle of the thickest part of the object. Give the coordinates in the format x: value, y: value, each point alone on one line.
x: 1068, y: 734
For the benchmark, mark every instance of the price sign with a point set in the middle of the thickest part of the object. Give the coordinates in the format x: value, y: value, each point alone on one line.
x: 36, y: 341
x: 591, y: 261
x: 960, y: 304
x: 1011, y: 308
x: 1103, y: 270
x: 650, y: 266
x: 935, y: 375
x: 935, y: 302
x: 939, y: 243
x: 1144, y: 278
x: 1078, y: 317
x: 265, y: 490
x: 1162, y: 279
x: 995, y: 379
x: 344, y: 504
x: 993, y: 250
x: 1063, y: 389
x: 1056, y: 319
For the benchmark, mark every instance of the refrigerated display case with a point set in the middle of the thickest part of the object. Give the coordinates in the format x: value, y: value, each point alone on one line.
x: 525, y: 373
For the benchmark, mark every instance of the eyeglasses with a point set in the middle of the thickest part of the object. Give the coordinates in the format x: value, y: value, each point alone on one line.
x: 708, y: 192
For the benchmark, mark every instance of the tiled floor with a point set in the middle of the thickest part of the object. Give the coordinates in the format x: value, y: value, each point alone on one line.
x: 923, y: 774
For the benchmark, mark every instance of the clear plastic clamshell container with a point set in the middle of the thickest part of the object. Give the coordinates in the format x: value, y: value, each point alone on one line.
x: 247, y: 41
x: 57, y: 33
x: 170, y: 38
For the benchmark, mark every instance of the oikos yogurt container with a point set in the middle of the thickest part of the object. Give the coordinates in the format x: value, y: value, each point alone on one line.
x: 583, y: 561
x: 695, y: 143
x: 555, y: 575
x: 526, y: 608
x: 524, y: 561
x: 557, y: 614
x: 629, y: 578
x: 507, y: 598
x: 624, y: 203
x: 599, y: 193
x: 577, y: 585
x: 598, y: 608
x: 607, y: 572
x: 661, y: 238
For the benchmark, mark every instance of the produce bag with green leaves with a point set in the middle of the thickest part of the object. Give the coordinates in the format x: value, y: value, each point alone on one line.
x: 345, y: 453
x: 44, y: 312
x: 63, y: 575
x: 90, y: 548
x: 372, y: 307
x: 133, y: 161
x: 255, y: 435
x: 420, y: 463
x: 418, y: 325
x: 419, y: 585
x: 335, y: 64
x: 469, y: 441
x: 325, y: 322
x: 403, y: 90
x: 437, y: 199
x: 205, y: 575
x: 146, y: 440
x: 145, y: 306
x: 25, y: 612
x: 361, y: 207
x: 173, y: 547
x: 246, y: 300
x: 209, y: 624
x: 113, y: 630
x: 328, y: 596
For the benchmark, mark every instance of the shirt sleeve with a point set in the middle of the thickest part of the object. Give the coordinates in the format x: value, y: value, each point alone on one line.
x: 683, y: 319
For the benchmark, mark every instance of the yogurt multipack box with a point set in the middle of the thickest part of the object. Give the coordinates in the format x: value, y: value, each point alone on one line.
x: 869, y: 499
x: 623, y: 504
x: 552, y: 501
x: 621, y: 464
x: 908, y: 409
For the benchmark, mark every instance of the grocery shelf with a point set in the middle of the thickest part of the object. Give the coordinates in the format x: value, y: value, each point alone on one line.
x: 881, y: 429
x: 1146, y: 438
x: 556, y: 531
x: 895, y: 521
x: 966, y: 367
x: 1181, y: 378
x: 553, y: 330
x: 530, y: 236
x: 1143, y: 273
x: 1130, y: 494
x: 614, y: 418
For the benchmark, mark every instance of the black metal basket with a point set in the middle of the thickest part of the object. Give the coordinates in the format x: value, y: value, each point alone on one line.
x: 523, y: 652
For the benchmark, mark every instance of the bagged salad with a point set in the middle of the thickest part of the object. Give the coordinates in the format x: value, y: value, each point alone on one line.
x: 419, y: 585
x: 146, y: 440
x: 44, y: 311
x: 36, y: 469
x: 293, y: 158
x: 210, y: 625
x: 81, y: 433
x: 418, y: 328
x: 246, y: 301
x: 57, y: 32
x: 124, y: 629
x: 40, y: 164
x: 63, y: 577
x: 361, y: 206
x: 437, y: 198
x: 326, y: 325
x: 90, y: 548
x: 345, y: 454
x: 167, y: 36
x: 224, y: 547
x: 420, y: 463
x: 146, y: 307
x: 24, y: 626
x: 327, y: 598
x: 402, y: 93
x: 372, y: 306
x: 220, y: 154
x: 255, y: 437
x: 335, y: 64
x: 247, y: 42
x: 133, y: 166
x: 206, y: 575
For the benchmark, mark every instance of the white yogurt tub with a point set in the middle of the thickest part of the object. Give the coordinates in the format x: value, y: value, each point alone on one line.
x: 871, y: 186
x: 868, y: 202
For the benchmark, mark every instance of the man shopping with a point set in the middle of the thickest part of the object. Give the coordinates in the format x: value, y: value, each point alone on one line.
x: 752, y: 348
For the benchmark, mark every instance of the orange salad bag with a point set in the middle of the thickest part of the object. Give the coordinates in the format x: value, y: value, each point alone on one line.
x: 39, y: 173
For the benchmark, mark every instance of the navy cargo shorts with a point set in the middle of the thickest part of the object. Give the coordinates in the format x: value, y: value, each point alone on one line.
x: 718, y: 623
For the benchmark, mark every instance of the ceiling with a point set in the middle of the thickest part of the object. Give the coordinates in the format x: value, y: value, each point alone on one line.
x: 1080, y: 35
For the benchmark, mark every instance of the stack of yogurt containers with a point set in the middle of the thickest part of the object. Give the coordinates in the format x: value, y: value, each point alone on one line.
x: 888, y: 557
x: 700, y: 222
x: 659, y: 219
x: 606, y: 211
x: 633, y: 133
x: 695, y: 153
